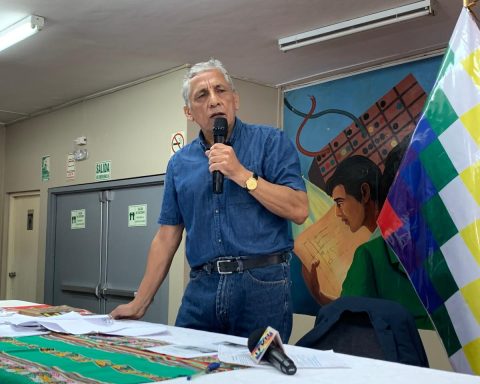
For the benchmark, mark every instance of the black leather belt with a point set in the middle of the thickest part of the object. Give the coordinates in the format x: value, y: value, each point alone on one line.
x: 227, y: 265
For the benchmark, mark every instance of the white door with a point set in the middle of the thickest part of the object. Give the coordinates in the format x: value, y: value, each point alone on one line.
x: 22, y: 257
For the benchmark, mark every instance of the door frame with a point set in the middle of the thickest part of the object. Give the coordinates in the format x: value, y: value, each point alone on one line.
x: 53, y: 194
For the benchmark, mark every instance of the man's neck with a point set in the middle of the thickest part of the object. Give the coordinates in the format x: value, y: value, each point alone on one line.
x: 371, y: 216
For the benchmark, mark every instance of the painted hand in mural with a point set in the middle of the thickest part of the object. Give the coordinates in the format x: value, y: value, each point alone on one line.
x: 310, y: 276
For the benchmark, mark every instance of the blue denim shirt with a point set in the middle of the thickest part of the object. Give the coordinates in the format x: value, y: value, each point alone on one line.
x: 232, y: 223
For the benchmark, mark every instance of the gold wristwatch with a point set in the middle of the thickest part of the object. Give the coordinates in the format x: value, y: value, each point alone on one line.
x: 252, y: 182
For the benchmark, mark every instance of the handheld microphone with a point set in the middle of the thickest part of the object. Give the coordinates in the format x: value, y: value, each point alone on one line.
x: 262, y: 338
x: 220, y: 129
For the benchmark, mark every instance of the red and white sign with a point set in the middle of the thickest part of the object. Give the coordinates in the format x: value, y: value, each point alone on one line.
x: 177, y: 141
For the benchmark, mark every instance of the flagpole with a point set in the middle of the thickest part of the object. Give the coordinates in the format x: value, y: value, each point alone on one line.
x: 469, y: 3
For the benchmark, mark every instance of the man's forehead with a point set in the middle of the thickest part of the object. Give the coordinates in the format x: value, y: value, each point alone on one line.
x: 207, y: 79
x: 338, y: 192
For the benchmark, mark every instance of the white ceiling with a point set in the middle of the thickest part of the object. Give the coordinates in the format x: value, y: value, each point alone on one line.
x: 88, y: 46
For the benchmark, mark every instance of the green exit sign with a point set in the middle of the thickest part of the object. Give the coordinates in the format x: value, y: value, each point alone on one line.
x: 103, y: 170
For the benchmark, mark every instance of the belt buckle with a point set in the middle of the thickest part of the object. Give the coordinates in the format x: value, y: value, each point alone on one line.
x: 220, y: 262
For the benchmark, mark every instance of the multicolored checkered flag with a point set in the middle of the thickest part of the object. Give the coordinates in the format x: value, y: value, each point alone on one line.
x: 431, y: 218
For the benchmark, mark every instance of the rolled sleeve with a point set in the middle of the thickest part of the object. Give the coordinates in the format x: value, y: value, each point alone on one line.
x: 170, y: 213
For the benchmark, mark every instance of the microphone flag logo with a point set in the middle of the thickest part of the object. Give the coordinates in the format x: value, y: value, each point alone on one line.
x: 268, y: 337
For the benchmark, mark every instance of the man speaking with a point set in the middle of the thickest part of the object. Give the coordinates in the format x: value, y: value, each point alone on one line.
x: 237, y: 238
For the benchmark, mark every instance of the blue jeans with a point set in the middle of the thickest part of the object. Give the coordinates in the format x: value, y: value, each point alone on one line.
x: 239, y: 303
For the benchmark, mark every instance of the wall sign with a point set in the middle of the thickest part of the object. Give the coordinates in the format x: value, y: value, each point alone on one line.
x: 177, y: 141
x: 70, y: 167
x: 77, y: 219
x: 103, y: 170
x: 45, y: 168
x: 137, y: 215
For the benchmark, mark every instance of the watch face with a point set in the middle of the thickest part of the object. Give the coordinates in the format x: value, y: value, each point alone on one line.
x: 251, y: 184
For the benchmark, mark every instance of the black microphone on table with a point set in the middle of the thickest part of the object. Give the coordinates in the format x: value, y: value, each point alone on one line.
x: 274, y: 354
x: 220, y: 129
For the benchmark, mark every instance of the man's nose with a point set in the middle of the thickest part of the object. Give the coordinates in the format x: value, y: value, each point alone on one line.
x: 214, y: 99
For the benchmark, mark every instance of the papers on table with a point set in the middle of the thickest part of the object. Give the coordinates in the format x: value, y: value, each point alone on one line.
x: 137, y: 328
x: 302, y: 357
x: 7, y: 330
x: 187, y: 343
x: 185, y: 351
x: 76, y: 324
x: 185, y: 336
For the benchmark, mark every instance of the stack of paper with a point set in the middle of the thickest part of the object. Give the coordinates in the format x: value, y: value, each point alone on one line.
x: 14, y: 325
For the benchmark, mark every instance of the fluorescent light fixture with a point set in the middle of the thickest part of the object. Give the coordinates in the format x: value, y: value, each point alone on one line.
x: 348, y: 27
x: 20, y: 30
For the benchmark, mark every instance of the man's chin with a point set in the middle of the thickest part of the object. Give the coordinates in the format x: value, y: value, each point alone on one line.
x: 349, y: 226
x: 353, y: 229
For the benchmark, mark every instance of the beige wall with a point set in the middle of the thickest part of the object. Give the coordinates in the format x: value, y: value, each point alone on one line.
x: 258, y: 103
x: 131, y: 127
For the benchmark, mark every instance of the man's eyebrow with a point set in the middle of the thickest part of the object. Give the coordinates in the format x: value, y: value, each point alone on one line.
x: 201, y: 89
x: 338, y: 199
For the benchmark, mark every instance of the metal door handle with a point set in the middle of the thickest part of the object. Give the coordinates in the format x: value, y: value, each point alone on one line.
x: 81, y: 289
x: 118, y: 292
x: 12, y: 274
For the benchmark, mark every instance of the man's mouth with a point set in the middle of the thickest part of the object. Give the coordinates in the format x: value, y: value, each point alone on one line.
x: 215, y: 115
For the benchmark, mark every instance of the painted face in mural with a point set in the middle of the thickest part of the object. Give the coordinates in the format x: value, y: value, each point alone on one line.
x: 348, y: 208
x: 210, y: 97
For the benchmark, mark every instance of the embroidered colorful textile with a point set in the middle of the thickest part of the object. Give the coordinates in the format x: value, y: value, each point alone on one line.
x: 66, y: 359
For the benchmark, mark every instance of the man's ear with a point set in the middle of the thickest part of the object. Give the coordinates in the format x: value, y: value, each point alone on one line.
x: 188, y: 113
x: 236, y: 100
x: 366, y: 193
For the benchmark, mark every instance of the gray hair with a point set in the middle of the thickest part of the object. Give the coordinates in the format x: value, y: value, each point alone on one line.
x: 200, y: 68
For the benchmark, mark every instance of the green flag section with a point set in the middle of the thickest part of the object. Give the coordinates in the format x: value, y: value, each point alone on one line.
x: 431, y: 218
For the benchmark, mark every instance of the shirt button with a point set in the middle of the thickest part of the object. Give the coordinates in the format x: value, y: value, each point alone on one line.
x: 216, y: 210
x: 219, y: 240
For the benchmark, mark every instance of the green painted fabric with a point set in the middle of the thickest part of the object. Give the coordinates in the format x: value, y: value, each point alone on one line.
x: 376, y: 272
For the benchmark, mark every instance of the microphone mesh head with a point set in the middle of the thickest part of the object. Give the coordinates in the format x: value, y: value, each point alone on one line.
x: 220, y: 127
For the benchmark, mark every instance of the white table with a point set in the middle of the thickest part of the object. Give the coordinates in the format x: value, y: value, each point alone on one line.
x: 361, y: 371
